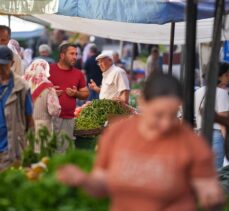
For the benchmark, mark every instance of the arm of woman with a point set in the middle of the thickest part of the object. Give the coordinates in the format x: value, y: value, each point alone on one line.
x: 202, y: 173
x: 94, y: 183
x: 53, y: 104
x: 222, y: 127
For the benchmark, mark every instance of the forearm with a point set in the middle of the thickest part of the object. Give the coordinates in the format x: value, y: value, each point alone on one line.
x: 97, y: 89
x: 222, y: 120
x: 95, y: 186
x: 82, y: 95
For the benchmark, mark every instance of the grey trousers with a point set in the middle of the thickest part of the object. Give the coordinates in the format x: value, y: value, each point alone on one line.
x: 63, y: 126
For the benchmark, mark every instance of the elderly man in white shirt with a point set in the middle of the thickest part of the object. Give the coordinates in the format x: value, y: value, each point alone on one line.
x: 115, y: 84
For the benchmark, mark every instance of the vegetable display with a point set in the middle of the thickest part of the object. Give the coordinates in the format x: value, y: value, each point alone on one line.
x: 95, y: 114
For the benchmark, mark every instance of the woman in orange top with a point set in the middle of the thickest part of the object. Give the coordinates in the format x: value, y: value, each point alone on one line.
x: 152, y: 162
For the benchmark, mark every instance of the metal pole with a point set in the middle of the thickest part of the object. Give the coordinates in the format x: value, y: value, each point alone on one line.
x: 9, y: 20
x: 190, y: 61
x: 171, y: 48
x: 209, y: 109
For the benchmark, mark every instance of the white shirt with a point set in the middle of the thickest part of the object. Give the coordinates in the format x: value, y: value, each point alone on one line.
x: 114, y: 82
x: 221, y: 104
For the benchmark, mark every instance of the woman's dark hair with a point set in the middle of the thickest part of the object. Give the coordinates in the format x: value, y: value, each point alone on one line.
x: 223, y: 68
x: 161, y: 85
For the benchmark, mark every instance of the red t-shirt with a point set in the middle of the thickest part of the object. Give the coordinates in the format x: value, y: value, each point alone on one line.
x: 66, y: 79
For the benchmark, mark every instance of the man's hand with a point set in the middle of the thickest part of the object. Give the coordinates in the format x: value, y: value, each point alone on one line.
x: 93, y: 86
x: 72, y: 92
x: 71, y: 175
x: 59, y: 92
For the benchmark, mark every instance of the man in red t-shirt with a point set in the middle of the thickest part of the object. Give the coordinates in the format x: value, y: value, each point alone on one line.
x: 70, y: 84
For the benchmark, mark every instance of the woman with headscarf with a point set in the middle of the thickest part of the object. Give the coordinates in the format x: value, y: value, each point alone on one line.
x: 46, y: 102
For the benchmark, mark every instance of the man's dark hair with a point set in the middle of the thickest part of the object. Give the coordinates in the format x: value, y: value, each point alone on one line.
x: 93, y: 49
x: 5, y: 28
x: 161, y: 85
x: 64, y: 47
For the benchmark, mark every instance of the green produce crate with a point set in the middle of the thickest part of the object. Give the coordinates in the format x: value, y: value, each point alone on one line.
x: 88, y: 143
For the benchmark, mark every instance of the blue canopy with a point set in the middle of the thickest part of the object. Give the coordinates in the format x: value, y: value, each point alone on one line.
x: 135, y: 11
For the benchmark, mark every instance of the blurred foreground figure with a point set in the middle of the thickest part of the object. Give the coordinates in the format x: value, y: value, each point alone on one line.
x: 152, y: 162
x: 15, y: 111
x: 45, y: 99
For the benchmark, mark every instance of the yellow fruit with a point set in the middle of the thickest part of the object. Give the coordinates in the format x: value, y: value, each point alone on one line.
x: 38, y: 167
x: 45, y: 160
x: 31, y: 175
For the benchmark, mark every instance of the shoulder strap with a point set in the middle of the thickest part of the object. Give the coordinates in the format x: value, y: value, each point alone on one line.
x: 40, y: 89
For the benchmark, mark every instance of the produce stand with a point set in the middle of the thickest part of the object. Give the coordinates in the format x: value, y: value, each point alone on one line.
x: 92, y: 118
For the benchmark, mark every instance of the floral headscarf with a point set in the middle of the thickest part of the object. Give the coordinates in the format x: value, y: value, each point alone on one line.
x: 37, y: 73
x: 14, y: 46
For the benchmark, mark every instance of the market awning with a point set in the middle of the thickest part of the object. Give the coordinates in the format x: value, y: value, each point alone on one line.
x: 133, y: 32
x: 135, y: 11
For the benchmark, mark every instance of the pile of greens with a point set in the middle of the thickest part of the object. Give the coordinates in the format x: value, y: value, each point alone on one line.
x: 98, y: 112
x: 20, y: 194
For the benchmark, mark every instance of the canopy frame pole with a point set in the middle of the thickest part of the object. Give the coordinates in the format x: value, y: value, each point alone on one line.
x: 9, y: 20
x: 171, y: 48
x: 212, y: 73
x: 190, y: 61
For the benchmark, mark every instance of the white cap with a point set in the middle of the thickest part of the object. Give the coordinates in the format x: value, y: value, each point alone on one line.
x: 104, y: 55
x: 44, y: 47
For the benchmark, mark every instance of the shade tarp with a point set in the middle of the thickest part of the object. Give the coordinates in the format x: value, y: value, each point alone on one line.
x: 131, y: 11
x: 133, y: 32
x: 21, y: 7
x: 135, y: 11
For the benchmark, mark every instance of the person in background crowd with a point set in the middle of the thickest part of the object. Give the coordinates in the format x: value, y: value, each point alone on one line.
x: 45, y: 100
x: 57, y: 38
x: 15, y: 111
x: 152, y: 161
x: 27, y: 55
x: 93, y: 71
x: 117, y: 61
x: 70, y: 84
x: 5, y: 35
x: 153, y: 63
x: 221, y: 108
x: 44, y: 53
x: 86, y: 51
x: 79, y: 61
x: 115, y: 84
x: 16, y: 48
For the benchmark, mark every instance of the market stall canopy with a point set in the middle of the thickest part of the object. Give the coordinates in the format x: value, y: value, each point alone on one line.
x: 19, y: 31
x: 25, y: 7
x: 135, y: 11
x: 133, y: 32
x: 129, y: 20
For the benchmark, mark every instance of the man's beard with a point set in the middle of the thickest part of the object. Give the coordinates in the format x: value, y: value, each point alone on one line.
x: 70, y: 64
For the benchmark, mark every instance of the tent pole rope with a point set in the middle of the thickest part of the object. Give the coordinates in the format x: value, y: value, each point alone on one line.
x: 171, y: 48
x: 190, y: 61
x: 209, y: 109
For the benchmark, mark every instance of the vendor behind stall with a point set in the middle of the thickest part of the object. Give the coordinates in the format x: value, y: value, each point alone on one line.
x: 115, y: 84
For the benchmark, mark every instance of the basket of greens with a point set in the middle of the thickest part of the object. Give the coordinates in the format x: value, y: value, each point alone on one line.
x: 92, y: 117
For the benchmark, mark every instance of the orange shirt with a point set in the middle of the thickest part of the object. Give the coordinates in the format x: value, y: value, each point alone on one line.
x: 153, y: 175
